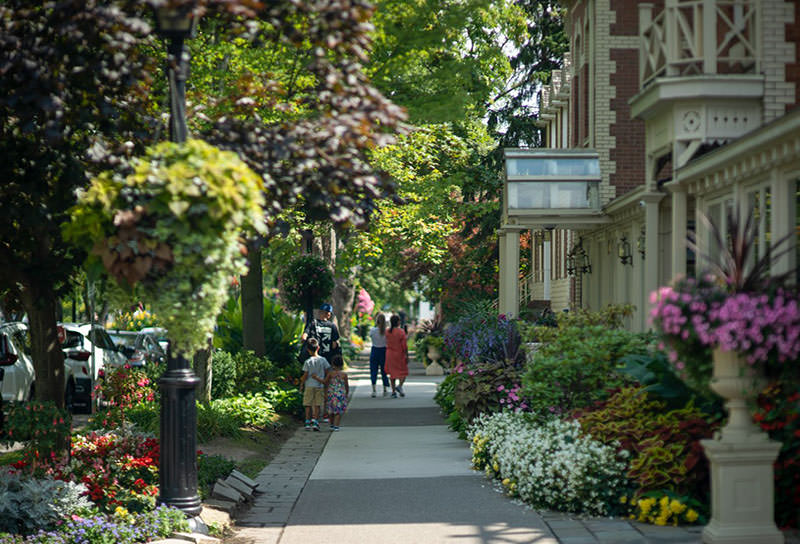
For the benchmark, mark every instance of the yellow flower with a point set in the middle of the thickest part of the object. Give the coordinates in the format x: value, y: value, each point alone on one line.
x: 691, y: 516
x: 660, y: 520
x: 495, y: 466
x: 664, y: 502
x: 676, y: 507
x: 121, y: 512
x: 506, y: 482
x: 623, y: 499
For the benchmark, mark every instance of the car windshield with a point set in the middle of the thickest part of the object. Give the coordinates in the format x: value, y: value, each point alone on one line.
x: 101, y: 339
x: 123, y: 339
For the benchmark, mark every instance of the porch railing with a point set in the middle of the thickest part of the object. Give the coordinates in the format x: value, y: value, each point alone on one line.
x: 691, y: 37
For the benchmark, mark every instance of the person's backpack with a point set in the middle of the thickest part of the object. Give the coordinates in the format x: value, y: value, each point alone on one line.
x: 311, y: 333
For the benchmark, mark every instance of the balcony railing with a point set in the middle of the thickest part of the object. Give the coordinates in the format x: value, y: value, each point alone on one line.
x: 690, y: 37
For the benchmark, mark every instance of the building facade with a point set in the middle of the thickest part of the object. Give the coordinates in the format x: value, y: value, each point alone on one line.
x: 690, y: 106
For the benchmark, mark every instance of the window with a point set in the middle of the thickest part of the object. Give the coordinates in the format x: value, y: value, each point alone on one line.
x: 22, y: 341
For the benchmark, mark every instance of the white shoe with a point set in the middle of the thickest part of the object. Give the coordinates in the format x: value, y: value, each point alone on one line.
x: 373, y: 394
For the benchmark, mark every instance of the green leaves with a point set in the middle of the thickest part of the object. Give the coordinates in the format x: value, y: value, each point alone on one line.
x: 171, y: 228
x: 304, y: 283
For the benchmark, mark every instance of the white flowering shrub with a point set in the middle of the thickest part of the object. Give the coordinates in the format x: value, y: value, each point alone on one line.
x: 550, y: 465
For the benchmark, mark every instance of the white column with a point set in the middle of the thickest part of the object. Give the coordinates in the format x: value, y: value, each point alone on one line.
x: 548, y: 263
x: 678, y: 232
x: 782, y: 222
x: 702, y: 237
x: 510, y: 301
x: 651, y: 260
x: 501, y: 268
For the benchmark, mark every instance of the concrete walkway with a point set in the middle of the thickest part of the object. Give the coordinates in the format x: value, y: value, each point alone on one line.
x: 396, y: 474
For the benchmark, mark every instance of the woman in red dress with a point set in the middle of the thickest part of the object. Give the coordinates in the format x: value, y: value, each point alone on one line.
x: 396, y: 356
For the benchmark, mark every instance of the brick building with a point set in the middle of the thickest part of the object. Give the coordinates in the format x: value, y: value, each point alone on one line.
x: 688, y: 106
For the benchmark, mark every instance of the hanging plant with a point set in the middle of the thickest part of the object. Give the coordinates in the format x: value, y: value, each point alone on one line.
x: 169, y: 230
x: 305, y: 282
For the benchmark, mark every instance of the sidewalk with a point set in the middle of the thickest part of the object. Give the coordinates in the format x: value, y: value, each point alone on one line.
x: 396, y: 474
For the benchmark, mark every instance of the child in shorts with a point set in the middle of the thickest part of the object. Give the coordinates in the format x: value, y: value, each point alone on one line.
x: 315, y: 369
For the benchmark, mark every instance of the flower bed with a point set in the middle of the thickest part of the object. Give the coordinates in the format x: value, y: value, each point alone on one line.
x: 550, y: 465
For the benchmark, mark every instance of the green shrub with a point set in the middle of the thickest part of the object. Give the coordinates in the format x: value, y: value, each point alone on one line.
x: 145, y: 416
x: 253, y: 374
x: 445, y: 393
x: 285, y: 399
x: 577, y: 366
x: 42, y: 426
x: 252, y: 410
x: 657, y: 375
x: 281, y: 331
x: 487, y: 388
x: 209, y: 469
x: 778, y: 413
x: 612, y: 316
x: 241, y: 373
x: 223, y: 375
x: 665, y: 444
x: 29, y: 504
x: 214, y: 421
x: 445, y: 398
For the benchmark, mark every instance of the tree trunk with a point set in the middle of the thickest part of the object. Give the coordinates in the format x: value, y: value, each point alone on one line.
x: 253, y: 303
x: 203, y: 368
x: 344, y: 292
x: 48, y: 359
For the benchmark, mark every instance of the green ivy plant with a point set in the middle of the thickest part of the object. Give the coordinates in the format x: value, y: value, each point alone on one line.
x: 169, y: 229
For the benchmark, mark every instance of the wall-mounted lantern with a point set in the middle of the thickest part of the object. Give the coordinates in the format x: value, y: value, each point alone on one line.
x: 578, y: 260
x: 624, y: 251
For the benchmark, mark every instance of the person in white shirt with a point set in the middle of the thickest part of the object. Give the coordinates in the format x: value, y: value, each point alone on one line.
x: 377, y: 356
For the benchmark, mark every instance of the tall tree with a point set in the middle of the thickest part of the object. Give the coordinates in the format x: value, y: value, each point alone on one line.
x: 70, y: 90
x: 444, y: 59
x: 307, y: 123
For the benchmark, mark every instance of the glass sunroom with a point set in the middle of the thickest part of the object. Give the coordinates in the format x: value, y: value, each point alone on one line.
x: 551, y: 184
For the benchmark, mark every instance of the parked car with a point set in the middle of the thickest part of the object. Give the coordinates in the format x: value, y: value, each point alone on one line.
x: 17, y: 365
x: 18, y: 377
x: 160, y: 334
x: 95, y: 340
x: 138, y: 347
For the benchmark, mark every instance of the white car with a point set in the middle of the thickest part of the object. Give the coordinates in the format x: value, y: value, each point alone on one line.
x: 95, y: 344
x: 16, y: 365
x: 17, y: 375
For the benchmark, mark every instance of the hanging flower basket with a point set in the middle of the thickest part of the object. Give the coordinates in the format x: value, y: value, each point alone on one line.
x: 169, y: 229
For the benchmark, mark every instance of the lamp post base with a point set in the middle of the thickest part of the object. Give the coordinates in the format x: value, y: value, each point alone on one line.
x: 178, y: 453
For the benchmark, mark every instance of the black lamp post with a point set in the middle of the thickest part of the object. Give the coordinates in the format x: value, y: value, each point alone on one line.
x: 178, y: 454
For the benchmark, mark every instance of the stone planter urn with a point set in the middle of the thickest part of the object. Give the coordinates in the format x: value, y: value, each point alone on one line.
x: 741, y: 458
x: 434, y: 369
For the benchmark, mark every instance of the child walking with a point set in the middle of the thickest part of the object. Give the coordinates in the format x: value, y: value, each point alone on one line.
x: 315, y: 370
x: 338, y: 391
